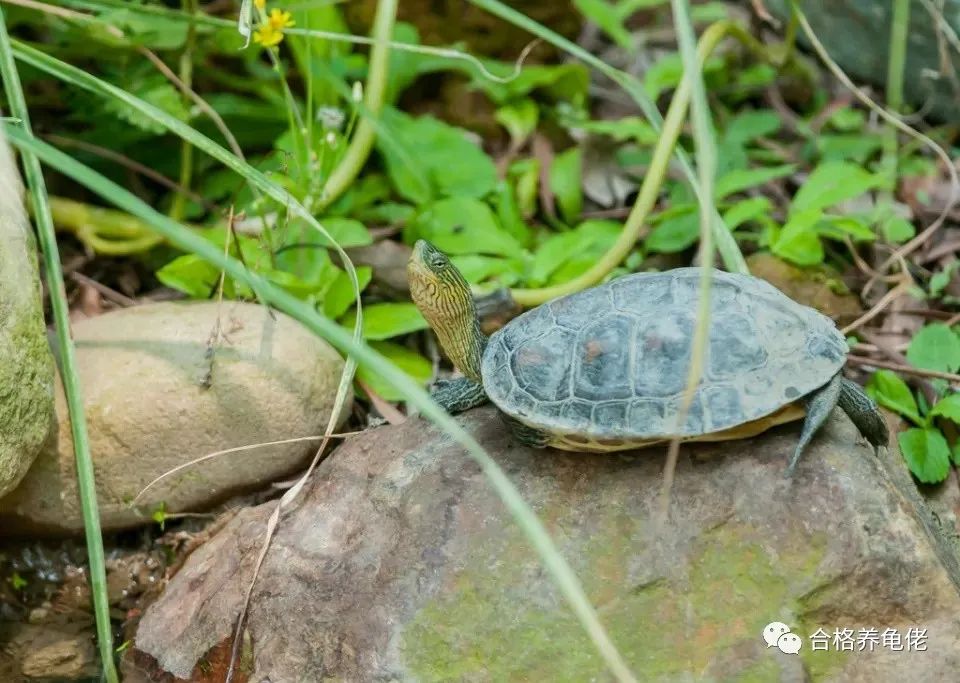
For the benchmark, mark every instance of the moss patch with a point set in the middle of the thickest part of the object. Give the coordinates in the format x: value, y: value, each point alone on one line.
x: 497, y: 620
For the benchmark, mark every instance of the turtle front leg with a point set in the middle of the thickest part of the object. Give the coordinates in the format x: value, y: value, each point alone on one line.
x: 863, y: 412
x: 819, y: 404
x: 458, y: 394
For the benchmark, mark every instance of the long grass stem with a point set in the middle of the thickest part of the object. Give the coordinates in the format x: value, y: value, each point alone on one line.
x: 68, y: 365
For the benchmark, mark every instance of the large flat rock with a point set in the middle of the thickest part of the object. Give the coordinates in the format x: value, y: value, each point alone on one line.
x: 400, y: 563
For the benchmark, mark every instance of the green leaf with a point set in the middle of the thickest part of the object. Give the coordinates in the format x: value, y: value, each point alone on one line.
x: 847, y: 119
x: 599, y: 237
x: 836, y: 227
x: 191, y: 275
x: 519, y: 118
x: 935, y: 347
x: 677, y: 232
x: 831, y: 183
x: 554, y: 252
x: 897, y: 229
x: 798, y: 241
x: 746, y: 210
x: 477, y: 268
x: 428, y: 159
x: 566, y: 82
x: 508, y: 212
x: 927, y: 454
x: 887, y: 389
x: 609, y: 19
x: 621, y: 130
x: 565, y: 183
x: 741, y: 179
x: 462, y: 226
x: 526, y: 174
x: 339, y: 295
x: 345, y: 231
x: 383, y: 321
x: 948, y: 407
x: 858, y: 148
x: 417, y: 368
x: 940, y: 279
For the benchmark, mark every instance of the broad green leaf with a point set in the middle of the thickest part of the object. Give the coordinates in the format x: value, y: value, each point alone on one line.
x: 675, y: 233
x: 418, y: 368
x: 191, y: 275
x: 554, y: 252
x: 857, y: 148
x: 383, y: 321
x: 460, y: 225
x: 565, y: 183
x: 798, y: 241
x: 621, y: 130
x: 836, y: 227
x: 935, y: 347
x: 887, y: 389
x: 847, y: 119
x: 831, y: 183
x: 340, y: 296
x: 406, y: 66
x: 897, y: 229
x: 428, y: 159
x: 526, y: 175
x: 599, y: 237
x: 477, y: 268
x: 948, y: 407
x: 345, y: 231
x: 940, y: 279
x: 508, y: 212
x: 558, y: 82
x: 742, y: 179
x: 520, y: 118
x: 927, y: 454
x: 606, y: 15
x: 746, y: 210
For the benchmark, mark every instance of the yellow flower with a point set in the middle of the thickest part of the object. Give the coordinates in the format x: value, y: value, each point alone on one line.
x: 267, y: 36
x: 280, y: 20
x: 260, y: 3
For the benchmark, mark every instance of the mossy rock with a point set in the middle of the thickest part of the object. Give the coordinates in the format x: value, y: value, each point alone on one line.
x: 400, y: 563
x: 27, y: 420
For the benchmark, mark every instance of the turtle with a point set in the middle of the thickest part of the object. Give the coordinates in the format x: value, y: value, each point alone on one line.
x: 605, y: 369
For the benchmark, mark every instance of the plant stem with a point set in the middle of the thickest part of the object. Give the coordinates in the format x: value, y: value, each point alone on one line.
x: 899, y: 25
x: 373, y: 95
x: 178, y: 206
x: 68, y: 366
x: 649, y: 189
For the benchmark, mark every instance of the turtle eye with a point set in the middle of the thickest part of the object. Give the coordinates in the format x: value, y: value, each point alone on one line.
x: 438, y: 260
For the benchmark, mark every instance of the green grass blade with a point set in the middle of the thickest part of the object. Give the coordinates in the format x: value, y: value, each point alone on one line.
x: 561, y: 572
x: 68, y: 366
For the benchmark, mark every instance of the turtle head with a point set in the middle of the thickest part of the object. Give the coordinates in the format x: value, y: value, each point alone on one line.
x: 444, y: 298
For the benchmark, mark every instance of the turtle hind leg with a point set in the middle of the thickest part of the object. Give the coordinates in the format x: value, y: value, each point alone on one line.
x: 863, y: 412
x: 819, y: 404
x: 459, y: 394
x: 525, y: 434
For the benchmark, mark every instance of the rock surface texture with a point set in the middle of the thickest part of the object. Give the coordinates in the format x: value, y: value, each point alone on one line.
x: 400, y: 563
x: 26, y: 366
x: 856, y: 34
x: 158, y: 394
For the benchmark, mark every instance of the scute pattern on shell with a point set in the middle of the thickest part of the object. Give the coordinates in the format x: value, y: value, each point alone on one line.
x: 612, y: 361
